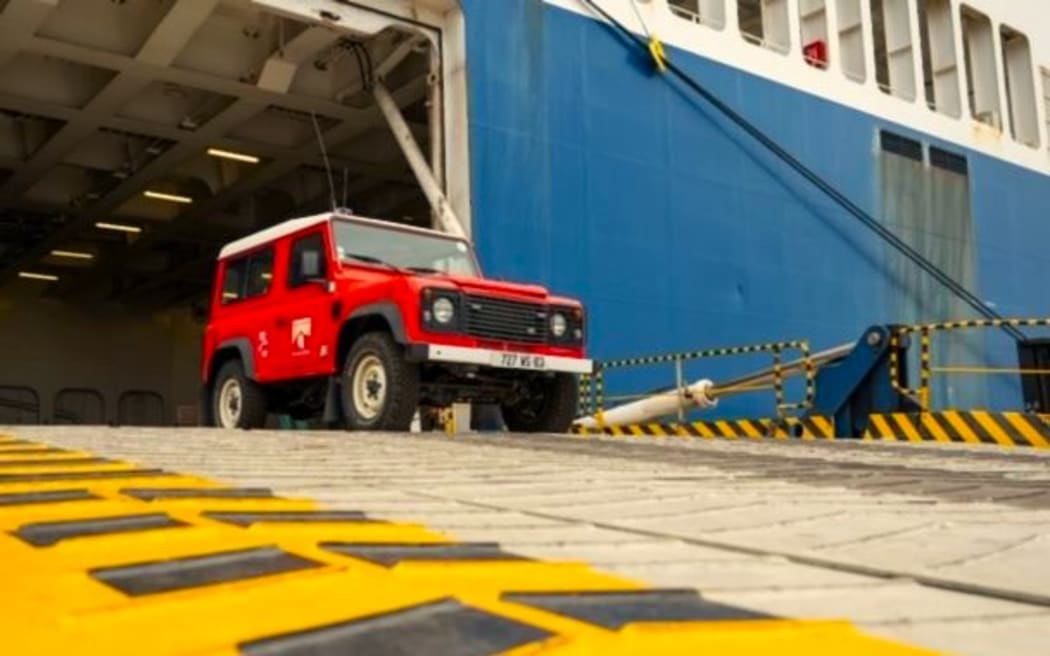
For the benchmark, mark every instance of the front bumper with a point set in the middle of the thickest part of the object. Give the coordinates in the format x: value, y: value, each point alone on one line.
x: 503, y: 359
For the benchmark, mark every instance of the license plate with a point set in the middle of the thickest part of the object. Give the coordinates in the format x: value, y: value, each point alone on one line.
x: 519, y: 361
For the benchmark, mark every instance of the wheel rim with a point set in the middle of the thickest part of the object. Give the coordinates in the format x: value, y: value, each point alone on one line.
x: 230, y: 403
x: 369, y: 387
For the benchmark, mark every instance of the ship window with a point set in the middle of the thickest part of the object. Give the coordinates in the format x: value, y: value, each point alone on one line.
x: 765, y: 23
x: 891, y: 29
x: 1020, y: 89
x: 940, y: 64
x: 702, y: 12
x: 851, y: 40
x: 898, y: 145
x: 948, y: 161
x: 982, y: 82
x: 1046, y: 103
x: 813, y: 23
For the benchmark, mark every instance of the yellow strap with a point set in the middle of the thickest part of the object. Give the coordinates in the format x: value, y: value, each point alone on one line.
x: 656, y: 49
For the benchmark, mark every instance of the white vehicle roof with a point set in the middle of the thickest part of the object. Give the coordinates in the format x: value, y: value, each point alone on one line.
x: 292, y: 226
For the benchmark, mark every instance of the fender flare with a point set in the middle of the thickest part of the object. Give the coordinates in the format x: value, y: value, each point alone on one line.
x: 388, y: 311
x: 244, y: 349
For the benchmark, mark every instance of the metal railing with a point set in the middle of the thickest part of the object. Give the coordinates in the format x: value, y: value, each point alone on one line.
x: 927, y: 370
x: 593, y: 398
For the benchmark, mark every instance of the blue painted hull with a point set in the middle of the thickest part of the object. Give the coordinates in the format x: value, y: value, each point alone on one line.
x: 603, y: 180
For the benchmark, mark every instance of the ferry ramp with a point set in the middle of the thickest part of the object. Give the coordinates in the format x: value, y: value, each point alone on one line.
x: 203, y: 541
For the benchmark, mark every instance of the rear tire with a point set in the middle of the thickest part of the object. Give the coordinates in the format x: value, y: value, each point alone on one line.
x: 549, y: 408
x: 380, y: 388
x: 236, y: 400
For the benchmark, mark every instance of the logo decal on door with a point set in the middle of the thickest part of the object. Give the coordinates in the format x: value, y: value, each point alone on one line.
x: 301, y: 329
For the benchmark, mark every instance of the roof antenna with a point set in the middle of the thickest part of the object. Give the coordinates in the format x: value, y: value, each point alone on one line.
x: 346, y: 181
x: 327, y: 165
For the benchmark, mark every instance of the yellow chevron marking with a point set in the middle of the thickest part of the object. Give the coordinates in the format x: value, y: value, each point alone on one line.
x: 749, y: 429
x: 931, y: 425
x: 960, y: 426
x: 882, y: 429
x: 615, y: 430
x: 988, y: 423
x: 827, y: 430
x: 658, y: 430
x: 910, y: 431
x: 704, y: 430
x: 636, y: 430
x: 778, y: 430
x: 1020, y: 422
x: 725, y: 429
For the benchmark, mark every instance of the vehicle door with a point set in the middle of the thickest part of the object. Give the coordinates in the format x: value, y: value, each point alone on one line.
x: 245, y: 301
x: 306, y: 324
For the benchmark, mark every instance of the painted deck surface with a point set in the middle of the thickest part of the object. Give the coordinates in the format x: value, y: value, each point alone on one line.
x: 939, y: 547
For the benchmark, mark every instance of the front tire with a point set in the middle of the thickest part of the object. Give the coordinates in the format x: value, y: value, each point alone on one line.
x: 380, y: 388
x: 236, y: 400
x: 549, y: 407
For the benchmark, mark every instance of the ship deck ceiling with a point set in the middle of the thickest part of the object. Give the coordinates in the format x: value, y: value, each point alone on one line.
x: 101, y: 101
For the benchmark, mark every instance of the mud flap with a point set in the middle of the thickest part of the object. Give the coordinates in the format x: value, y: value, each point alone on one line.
x: 332, y: 415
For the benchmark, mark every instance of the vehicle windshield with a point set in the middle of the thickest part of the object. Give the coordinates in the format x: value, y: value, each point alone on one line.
x: 403, y: 248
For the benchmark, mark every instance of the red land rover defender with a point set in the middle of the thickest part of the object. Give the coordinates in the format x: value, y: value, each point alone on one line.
x: 366, y: 321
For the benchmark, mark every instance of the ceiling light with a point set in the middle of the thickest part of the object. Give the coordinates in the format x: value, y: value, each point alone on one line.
x: 227, y: 154
x: 171, y: 198
x: 73, y: 255
x: 37, y: 276
x: 119, y: 227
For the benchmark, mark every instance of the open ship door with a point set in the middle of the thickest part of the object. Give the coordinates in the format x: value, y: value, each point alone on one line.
x: 375, y: 58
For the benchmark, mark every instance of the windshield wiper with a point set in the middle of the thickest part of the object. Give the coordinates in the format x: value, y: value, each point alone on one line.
x: 370, y: 260
x: 422, y: 269
x: 375, y: 260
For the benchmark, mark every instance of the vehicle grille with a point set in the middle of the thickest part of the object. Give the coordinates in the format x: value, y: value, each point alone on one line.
x: 493, y: 318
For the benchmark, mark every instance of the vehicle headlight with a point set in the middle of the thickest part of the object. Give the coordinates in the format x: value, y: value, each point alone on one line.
x: 559, y: 325
x: 444, y: 310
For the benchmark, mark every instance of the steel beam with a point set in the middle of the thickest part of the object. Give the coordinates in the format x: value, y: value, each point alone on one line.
x: 446, y: 218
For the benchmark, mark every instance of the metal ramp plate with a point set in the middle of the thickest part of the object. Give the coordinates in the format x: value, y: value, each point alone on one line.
x: 132, y: 559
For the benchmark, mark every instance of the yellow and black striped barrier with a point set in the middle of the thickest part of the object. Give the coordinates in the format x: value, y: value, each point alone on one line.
x: 806, y: 428
x: 105, y: 556
x: 962, y: 427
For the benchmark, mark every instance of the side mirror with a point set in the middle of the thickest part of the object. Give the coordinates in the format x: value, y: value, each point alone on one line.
x: 310, y: 266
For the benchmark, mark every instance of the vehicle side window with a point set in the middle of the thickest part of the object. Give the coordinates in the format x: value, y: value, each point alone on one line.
x: 260, y: 273
x: 307, y: 260
x: 248, y: 277
x: 233, y: 281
